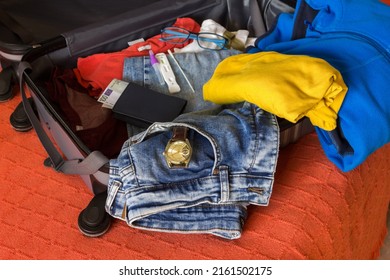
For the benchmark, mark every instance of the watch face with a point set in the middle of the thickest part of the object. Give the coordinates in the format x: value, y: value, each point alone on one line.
x: 178, y: 152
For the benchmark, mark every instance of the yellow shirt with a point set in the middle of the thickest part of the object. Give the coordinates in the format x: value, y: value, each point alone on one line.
x: 289, y: 86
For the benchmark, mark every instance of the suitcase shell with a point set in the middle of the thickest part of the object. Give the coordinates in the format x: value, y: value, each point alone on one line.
x: 110, y: 32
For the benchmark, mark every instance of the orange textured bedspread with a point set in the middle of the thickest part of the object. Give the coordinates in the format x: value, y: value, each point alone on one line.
x: 316, y: 212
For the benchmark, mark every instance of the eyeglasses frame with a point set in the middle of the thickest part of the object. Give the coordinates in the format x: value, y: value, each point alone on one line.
x: 194, y: 36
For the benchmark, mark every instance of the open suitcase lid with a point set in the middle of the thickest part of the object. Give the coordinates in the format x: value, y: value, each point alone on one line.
x: 25, y: 24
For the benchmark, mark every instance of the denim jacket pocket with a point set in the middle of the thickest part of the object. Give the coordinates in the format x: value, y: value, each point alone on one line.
x: 146, y: 151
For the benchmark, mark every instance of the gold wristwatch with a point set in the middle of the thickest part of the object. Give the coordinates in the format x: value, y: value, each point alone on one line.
x: 178, y: 150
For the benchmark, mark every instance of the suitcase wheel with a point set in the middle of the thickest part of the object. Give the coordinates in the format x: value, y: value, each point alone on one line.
x: 94, y: 221
x: 7, y: 77
x: 19, y: 119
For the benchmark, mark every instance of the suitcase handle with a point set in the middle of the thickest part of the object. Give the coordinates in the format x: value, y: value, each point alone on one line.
x: 87, y: 166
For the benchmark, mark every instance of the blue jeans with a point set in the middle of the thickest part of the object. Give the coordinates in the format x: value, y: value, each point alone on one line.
x: 198, y: 67
x: 233, y: 162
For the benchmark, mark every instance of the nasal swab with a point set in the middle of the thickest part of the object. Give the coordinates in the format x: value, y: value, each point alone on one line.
x: 181, y: 70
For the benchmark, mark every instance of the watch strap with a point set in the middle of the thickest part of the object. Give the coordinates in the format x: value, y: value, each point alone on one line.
x: 179, y: 133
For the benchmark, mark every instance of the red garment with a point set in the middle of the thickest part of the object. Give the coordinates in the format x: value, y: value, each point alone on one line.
x: 95, y: 72
x: 108, y: 137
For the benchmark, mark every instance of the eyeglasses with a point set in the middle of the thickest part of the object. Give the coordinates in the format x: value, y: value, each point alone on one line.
x: 177, y: 35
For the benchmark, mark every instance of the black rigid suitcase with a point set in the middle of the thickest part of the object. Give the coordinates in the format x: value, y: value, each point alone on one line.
x: 82, y: 28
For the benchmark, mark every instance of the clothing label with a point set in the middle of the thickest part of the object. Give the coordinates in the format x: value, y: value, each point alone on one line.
x: 112, y: 93
x: 135, y: 41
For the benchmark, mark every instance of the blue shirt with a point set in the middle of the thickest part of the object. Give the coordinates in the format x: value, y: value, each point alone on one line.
x: 353, y: 36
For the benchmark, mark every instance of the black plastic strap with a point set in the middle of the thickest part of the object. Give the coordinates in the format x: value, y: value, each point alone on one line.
x: 305, y: 15
x: 291, y: 3
x: 257, y: 18
x: 89, y: 165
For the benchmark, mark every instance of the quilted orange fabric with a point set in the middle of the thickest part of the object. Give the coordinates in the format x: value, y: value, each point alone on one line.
x: 316, y: 211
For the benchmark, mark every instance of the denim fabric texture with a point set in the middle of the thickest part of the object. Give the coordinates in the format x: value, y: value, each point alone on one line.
x: 232, y: 165
x: 235, y: 150
x: 198, y: 68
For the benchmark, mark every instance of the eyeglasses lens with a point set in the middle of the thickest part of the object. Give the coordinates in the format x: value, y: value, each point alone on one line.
x: 211, y: 41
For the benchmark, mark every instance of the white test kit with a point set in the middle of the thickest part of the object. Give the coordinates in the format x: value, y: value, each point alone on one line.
x: 167, y: 73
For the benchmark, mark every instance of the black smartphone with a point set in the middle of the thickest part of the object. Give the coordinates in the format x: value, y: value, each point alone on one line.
x: 142, y: 106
